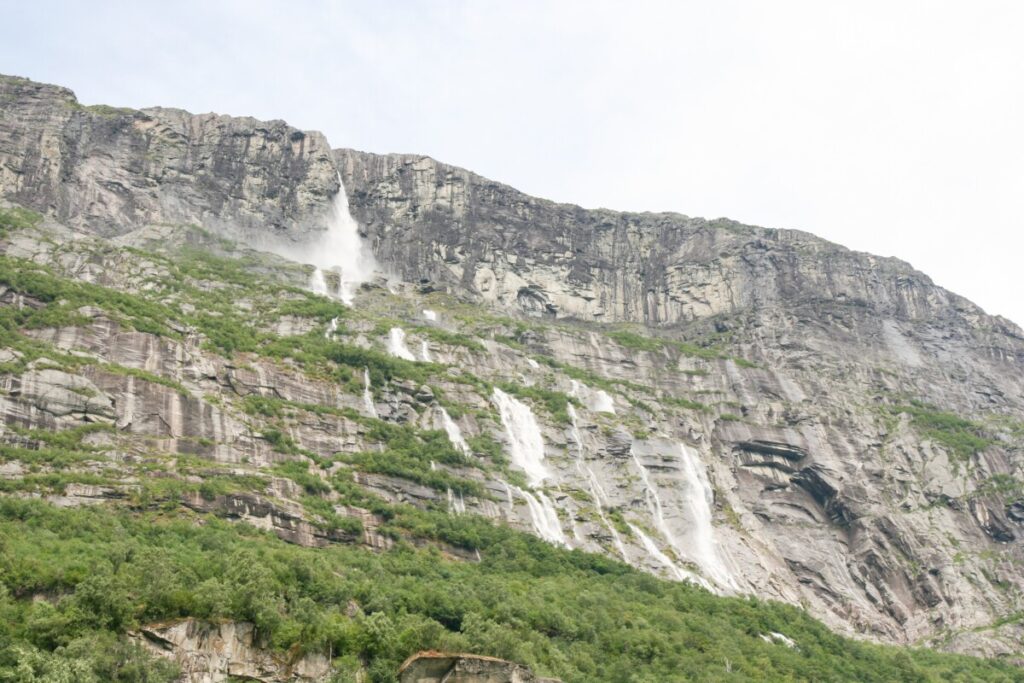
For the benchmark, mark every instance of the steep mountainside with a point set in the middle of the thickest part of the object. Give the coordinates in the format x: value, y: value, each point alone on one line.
x: 754, y: 411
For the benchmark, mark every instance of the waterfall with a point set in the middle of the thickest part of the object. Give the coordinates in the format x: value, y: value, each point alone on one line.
x: 596, y: 401
x: 367, y: 396
x: 525, y: 441
x: 425, y: 352
x: 526, y: 446
x: 674, y: 569
x: 544, y: 517
x: 596, y: 492
x: 699, y: 498
x: 317, y: 283
x: 654, y: 504
x: 340, y: 248
x: 603, y: 402
x: 456, y: 504
x: 396, y: 344
x: 430, y: 315
x: 454, y: 433
x: 332, y: 327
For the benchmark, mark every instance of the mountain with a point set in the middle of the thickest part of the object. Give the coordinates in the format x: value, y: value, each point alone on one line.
x: 782, y: 429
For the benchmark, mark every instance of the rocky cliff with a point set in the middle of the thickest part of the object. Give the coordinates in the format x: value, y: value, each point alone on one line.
x: 758, y: 411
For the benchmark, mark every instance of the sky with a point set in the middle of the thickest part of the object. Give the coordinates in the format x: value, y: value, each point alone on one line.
x: 892, y: 127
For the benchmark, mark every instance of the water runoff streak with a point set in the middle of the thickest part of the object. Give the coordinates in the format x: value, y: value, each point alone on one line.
x: 658, y: 515
x: 699, y: 498
x: 368, y: 395
x: 454, y: 433
x: 526, y: 445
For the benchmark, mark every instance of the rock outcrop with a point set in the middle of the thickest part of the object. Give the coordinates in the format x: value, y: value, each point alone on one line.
x: 211, y: 653
x: 445, y: 667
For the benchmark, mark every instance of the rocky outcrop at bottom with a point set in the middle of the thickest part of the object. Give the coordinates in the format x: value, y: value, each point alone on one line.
x: 210, y: 653
x: 438, y: 667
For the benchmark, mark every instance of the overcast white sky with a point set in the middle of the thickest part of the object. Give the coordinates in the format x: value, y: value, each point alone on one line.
x: 894, y: 127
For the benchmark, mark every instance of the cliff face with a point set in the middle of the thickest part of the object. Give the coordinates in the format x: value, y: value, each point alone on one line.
x: 854, y: 430
x: 110, y: 170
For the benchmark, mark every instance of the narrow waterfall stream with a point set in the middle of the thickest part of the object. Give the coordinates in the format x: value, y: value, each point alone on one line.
x: 453, y: 432
x: 674, y: 569
x: 699, y: 499
x: 526, y: 446
x: 368, y: 395
x: 396, y: 344
x: 658, y: 516
x: 425, y: 352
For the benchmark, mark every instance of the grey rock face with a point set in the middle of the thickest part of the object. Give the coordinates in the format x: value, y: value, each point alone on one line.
x: 109, y: 171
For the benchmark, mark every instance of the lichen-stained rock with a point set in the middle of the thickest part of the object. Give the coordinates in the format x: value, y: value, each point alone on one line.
x: 446, y: 667
x: 211, y: 653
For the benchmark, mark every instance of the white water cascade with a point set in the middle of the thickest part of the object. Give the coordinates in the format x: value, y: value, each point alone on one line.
x: 367, y: 395
x: 456, y: 503
x: 675, y: 570
x: 340, y: 248
x: 699, y: 499
x: 332, y: 328
x: 317, y: 282
x: 425, y: 352
x: 658, y: 515
x: 598, y: 401
x: 396, y: 344
x: 596, y: 491
x: 454, y: 433
x: 526, y: 446
x: 525, y: 441
x: 430, y: 315
x: 543, y: 516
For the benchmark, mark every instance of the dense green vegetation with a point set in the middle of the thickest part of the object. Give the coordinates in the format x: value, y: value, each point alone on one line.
x: 101, y: 572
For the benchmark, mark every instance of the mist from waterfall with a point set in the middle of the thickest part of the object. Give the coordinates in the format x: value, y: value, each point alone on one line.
x: 396, y: 344
x: 338, y: 249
